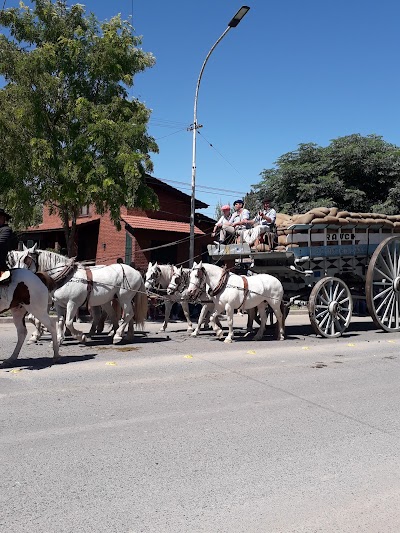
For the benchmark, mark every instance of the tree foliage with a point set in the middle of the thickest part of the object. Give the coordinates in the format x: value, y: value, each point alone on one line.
x: 69, y: 134
x: 355, y: 173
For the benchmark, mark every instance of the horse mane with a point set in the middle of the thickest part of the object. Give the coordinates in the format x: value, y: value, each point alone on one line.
x: 48, y: 260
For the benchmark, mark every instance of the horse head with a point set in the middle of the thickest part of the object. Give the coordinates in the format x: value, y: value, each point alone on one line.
x: 152, y: 276
x: 197, y: 280
x: 177, y: 281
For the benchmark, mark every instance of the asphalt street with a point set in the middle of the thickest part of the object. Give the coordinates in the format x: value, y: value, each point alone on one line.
x: 175, y: 434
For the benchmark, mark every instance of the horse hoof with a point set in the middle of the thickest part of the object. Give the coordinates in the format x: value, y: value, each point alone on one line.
x: 228, y: 340
x: 117, y: 340
x: 194, y: 334
x: 32, y: 341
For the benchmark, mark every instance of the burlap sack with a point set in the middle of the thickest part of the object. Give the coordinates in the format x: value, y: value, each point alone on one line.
x: 319, y: 212
x: 305, y: 219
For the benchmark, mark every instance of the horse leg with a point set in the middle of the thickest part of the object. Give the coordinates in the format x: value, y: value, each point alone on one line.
x: 96, y: 313
x: 36, y: 335
x: 185, y: 307
x: 127, y: 316
x: 250, y: 319
x: 49, y: 323
x: 200, y: 321
x: 203, y: 314
x: 109, y: 310
x: 278, y: 310
x: 216, y: 326
x: 60, y: 323
x: 18, y: 314
x: 263, y: 320
x: 229, y: 314
x: 168, y: 307
x: 72, y: 309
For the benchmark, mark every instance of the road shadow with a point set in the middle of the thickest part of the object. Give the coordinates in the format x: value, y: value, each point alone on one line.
x: 40, y: 363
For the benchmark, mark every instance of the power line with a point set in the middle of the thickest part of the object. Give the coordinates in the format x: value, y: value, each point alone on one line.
x: 205, y: 187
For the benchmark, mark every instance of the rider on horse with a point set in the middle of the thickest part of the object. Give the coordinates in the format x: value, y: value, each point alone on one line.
x: 6, y: 238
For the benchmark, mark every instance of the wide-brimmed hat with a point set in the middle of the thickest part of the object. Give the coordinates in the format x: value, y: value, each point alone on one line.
x: 226, y: 207
x: 6, y: 215
x: 238, y: 202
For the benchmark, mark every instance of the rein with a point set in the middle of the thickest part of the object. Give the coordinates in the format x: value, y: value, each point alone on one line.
x: 221, y: 283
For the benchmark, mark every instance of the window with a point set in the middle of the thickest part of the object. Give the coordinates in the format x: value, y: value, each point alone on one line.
x: 84, y: 211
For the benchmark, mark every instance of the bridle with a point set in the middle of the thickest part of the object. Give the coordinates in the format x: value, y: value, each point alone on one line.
x: 199, y: 282
x: 178, y: 283
x: 154, y: 277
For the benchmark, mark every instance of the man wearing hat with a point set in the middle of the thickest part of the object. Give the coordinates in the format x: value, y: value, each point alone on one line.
x: 238, y: 222
x: 222, y: 222
x: 264, y: 222
x: 6, y: 236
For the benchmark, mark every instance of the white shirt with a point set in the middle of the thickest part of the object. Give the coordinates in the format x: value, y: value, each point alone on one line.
x: 271, y: 213
x: 238, y: 217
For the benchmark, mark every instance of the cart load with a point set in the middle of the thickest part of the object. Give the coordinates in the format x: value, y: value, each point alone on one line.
x: 333, y: 261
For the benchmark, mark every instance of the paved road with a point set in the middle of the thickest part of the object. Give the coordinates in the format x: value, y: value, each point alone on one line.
x: 194, y: 435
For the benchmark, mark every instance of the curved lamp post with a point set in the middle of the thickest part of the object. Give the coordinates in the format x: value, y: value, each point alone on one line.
x: 232, y: 24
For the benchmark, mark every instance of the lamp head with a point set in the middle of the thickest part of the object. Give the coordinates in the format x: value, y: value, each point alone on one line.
x: 238, y: 17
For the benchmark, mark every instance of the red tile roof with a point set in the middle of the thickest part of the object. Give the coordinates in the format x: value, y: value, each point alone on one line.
x: 56, y: 224
x: 162, y: 225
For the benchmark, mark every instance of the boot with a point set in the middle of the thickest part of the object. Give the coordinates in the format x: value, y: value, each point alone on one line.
x: 5, y: 277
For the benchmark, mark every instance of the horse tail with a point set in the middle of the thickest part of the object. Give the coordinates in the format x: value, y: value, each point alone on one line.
x: 141, y: 305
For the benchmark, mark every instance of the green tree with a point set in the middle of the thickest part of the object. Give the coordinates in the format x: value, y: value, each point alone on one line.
x: 355, y: 173
x: 69, y: 134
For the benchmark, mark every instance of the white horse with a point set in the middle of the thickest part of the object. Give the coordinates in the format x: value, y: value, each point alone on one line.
x: 179, y: 283
x: 158, y: 277
x: 231, y: 291
x: 30, y: 258
x: 26, y: 292
x: 97, y: 286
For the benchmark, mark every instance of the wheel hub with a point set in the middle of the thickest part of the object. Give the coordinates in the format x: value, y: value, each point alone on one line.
x: 334, y: 307
x: 396, y: 284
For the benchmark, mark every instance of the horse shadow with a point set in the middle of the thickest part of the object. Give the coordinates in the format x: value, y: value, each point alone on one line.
x: 40, y: 363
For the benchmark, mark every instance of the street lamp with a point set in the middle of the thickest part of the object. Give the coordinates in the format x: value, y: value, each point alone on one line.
x: 232, y: 24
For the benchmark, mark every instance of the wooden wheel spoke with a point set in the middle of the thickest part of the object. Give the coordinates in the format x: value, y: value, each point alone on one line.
x: 386, y: 267
x: 382, y: 285
x: 322, y: 313
x: 384, y: 301
x: 390, y: 261
x: 380, y: 294
x: 387, y: 307
x: 330, y: 307
x: 379, y: 271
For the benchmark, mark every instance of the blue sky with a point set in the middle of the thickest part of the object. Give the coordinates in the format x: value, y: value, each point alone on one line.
x: 292, y: 72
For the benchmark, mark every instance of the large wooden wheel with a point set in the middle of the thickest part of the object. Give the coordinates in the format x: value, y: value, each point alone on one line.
x: 382, y: 286
x: 330, y: 307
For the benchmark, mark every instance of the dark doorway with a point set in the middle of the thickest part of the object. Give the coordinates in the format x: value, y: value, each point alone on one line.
x: 165, y: 255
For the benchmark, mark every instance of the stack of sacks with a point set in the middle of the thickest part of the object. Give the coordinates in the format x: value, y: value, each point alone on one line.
x: 334, y: 217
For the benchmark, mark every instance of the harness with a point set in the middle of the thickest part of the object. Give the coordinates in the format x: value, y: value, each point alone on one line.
x: 245, y: 291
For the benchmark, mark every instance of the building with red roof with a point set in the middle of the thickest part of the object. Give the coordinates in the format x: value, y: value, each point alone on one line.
x: 161, y: 235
